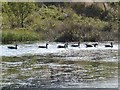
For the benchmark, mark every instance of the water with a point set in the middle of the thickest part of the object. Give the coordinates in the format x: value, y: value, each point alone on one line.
x: 78, y: 67
x: 32, y: 49
x: 51, y: 73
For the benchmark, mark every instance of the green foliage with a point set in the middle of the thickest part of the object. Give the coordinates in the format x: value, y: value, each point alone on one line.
x: 17, y: 12
x: 21, y: 35
x: 59, y: 21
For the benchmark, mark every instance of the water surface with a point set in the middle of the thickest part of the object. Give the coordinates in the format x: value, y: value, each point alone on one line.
x: 78, y: 67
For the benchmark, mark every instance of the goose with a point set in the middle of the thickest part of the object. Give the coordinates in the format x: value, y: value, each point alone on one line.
x: 88, y: 45
x: 13, y: 47
x: 76, y: 45
x: 95, y: 44
x: 109, y: 45
x: 65, y: 46
x: 44, y: 46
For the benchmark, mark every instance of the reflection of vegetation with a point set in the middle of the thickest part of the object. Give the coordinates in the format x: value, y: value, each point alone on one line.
x: 84, y: 70
x: 12, y: 71
x: 47, y: 59
x: 40, y: 68
x: 21, y: 77
x: 95, y: 64
x: 10, y: 59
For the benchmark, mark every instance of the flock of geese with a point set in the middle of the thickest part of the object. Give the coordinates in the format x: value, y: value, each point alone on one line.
x: 66, y: 45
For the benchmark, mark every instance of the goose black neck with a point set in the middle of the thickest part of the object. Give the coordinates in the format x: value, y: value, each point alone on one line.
x: 66, y: 45
x: 46, y: 45
x: 111, y: 44
x: 16, y: 46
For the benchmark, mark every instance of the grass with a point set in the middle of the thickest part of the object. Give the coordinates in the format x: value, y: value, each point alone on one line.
x: 19, y: 35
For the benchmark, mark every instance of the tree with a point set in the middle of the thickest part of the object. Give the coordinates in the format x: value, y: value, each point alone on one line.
x: 19, y: 11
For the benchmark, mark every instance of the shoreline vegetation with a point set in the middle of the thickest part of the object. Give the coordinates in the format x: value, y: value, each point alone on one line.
x: 59, y: 22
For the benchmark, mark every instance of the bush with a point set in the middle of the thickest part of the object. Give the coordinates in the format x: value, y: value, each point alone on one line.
x: 67, y: 37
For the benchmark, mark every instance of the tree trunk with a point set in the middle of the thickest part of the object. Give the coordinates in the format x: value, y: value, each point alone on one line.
x: 22, y: 24
x: 22, y: 19
x: 105, y: 8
